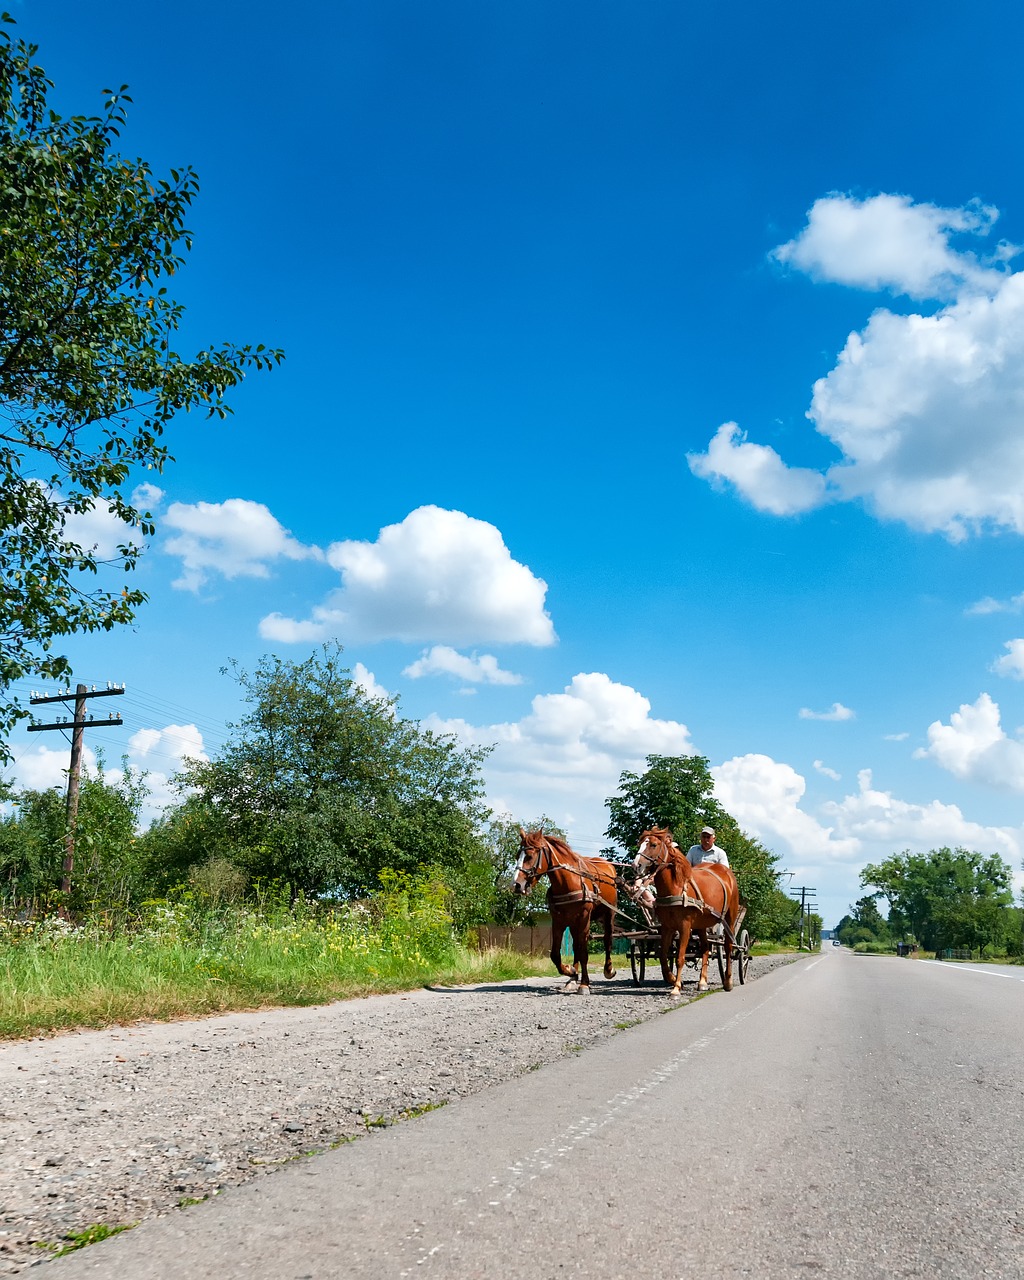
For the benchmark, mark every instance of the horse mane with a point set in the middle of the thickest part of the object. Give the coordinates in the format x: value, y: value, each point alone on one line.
x: 558, y: 844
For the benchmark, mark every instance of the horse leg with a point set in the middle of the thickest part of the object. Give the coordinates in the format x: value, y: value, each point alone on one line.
x: 581, y: 949
x: 609, y: 972
x: 702, y: 985
x: 668, y: 932
x: 558, y: 925
x: 684, y: 942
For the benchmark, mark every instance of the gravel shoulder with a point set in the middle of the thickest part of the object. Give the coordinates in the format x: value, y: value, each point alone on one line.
x: 127, y: 1123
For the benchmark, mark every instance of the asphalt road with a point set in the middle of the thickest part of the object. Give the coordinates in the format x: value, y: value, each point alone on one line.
x: 845, y: 1116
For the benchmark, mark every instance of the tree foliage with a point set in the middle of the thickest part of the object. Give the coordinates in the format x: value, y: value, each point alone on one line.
x: 325, y: 787
x: 944, y: 898
x: 110, y: 870
x: 89, y: 378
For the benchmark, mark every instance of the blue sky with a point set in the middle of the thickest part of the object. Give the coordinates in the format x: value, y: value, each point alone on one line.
x: 529, y: 262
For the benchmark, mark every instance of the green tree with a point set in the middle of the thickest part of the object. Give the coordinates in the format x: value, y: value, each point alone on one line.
x: 89, y: 378
x: 325, y: 787
x: 947, y: 897
x: 674, y: 791
x: 110, y: 870
x: 864, y: 924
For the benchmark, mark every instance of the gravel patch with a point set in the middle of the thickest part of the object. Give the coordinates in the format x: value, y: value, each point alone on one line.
x: 123, y: 1124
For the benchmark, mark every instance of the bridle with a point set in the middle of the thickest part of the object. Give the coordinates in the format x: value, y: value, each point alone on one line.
x: 534, y: 874
x: 647, y: 865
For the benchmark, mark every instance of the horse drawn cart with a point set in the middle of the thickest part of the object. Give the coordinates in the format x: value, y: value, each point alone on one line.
x: 645, y: 945
x: 698, y: 909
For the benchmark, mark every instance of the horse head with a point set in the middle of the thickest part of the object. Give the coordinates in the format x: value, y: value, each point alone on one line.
x: 657, y: 850
x: 533, y: 846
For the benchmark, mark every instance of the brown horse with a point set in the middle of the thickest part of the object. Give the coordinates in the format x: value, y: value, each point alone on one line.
x: 579, y: 888
x: 690, y: 899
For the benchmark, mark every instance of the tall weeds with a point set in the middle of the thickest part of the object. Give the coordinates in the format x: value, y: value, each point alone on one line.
x: 190, y: 956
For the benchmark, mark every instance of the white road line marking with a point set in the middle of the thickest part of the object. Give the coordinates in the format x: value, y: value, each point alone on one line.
x: 544, y: 1158
x: 984, y: 973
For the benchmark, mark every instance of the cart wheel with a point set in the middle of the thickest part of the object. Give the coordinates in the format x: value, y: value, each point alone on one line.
x: 632, y: 962
x: 743, y: 954
x: 719, y: 946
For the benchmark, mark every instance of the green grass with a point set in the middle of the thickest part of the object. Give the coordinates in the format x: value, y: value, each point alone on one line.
x: 91, y: 1235
x: 172, y: 966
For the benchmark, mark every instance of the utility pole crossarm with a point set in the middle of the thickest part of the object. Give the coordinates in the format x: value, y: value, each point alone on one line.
x: 91, y: 723
x: 78, y: 724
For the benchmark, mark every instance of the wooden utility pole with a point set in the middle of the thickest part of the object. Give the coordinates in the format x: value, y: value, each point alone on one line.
x: 807, y: 905
x: 78, y: 726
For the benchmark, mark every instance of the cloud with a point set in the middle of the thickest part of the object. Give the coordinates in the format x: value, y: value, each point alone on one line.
x: 367, y: 682
x: 177, y: 742
x: 888, y: 242
x: 275, y: 626
x: 826, y: 772
x: 973, y: 746
x: 236, y: 539
x: 758, y: 473
x: 877, y: 818
x: 764, y: 795
x: 1011, y: 664
x: 438, y: 576
x: 443, y: 660
x: 988, y: 605
x: 147, y: 496
x: 836, y: 712
x: 99, y: 532
x: 924, y: 409
x: 895, y: 737
x: 565, y: 756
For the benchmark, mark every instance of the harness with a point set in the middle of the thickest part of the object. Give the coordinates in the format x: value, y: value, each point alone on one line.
x: 685, y: 900
x: 588, y: 879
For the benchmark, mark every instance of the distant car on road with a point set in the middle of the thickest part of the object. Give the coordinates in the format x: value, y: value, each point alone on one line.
x: 836, y: 942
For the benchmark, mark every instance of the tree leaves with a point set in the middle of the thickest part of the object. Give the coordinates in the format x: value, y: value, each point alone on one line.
x: 89, y: 380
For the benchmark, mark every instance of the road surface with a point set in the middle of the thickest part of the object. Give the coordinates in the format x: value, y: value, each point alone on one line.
x: 847, y: 1116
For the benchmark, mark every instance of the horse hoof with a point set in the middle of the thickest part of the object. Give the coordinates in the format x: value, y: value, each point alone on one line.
x: 583, y: 989
x: 609, y: 974
x: 571, y: 987
x: 702, y: 986
x: 675, y: 994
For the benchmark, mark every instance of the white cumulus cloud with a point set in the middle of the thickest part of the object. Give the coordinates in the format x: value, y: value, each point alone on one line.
x: 758, y: 473
x: 438, y: 576
x: 236, y: 539
x: 836, y: 712
x: 443, y: 660
x: 764, y: 796
x: 1012, y: 663
x: 889, y: 242
x: 367, y: 682
x: 877, y: 818
x: 564, y: 758
x: 826, y: 772
x: 159, y: 753
x: 925, y: 410
x: 974, y: 746
x: 990, y: 605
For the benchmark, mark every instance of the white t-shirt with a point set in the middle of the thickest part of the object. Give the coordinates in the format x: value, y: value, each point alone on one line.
x: 697, y: 855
